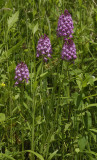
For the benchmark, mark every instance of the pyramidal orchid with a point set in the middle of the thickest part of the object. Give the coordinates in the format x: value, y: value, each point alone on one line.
x: 65, y: 25
x: 21, y: 73
x: 44, y: 48
x: 68, y: 50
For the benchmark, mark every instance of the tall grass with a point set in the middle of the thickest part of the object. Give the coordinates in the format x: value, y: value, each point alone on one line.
x: 54, y: 116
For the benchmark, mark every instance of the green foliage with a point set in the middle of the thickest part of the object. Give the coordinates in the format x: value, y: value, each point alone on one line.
x: 2, y: 117
x: 54, y: 116
x: 12, y: 20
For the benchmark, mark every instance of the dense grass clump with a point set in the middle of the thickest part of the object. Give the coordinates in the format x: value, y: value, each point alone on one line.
x: 48, y: 80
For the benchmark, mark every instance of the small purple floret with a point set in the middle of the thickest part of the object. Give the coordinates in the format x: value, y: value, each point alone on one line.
x: 68, y: 50
x: 44, y: 48
x: 65, y: 25
x: 21, y: 73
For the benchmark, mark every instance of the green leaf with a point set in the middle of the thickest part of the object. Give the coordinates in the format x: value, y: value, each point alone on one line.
x: 7, y: 54
x: 35, y: 153
x: 90, y: 152
x: 12, y: 66
x: 17, y: 96
x: 90, y: 106
x: 79, y: 81
x: 30, y: 26
x: 48, y: 21
x: 43, y: 75
x: 39, y: 69
x: 94, y: 136
x: 90, y: 96
x: 35, y: 85
x: 2, y: 117
x: 27, y: 107
x: 35, y: 28
x: 93, y: 130
x: 82, y: 143
x: 52, y: 155
x: 12, y: 20
x: 6, y: 156
x: 77, y: 150
x: 67, y: 126
x: 88, y: 119
x: 90, y: 157
x: 38, y: 120
x: 27, y: 96
x: 1, y: 105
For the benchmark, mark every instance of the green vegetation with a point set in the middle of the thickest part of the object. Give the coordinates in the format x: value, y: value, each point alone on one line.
x: 54, y: 116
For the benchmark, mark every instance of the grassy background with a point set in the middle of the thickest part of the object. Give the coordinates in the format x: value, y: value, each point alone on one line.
x: 55, y: 115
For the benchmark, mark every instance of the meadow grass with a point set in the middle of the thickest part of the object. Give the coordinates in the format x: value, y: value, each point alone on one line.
x: 54, y: 116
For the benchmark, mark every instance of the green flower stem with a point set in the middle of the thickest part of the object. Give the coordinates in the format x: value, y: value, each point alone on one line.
x: 22, y: 146
x: 34, y: 103
x: 22, y: 131
x: 68, y: 91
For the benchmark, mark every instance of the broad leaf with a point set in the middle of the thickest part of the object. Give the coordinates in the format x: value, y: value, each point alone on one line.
x: 12, y: 20
x: 2, y: 117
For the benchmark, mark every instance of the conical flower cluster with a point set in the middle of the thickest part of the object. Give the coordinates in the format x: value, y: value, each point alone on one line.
x: 21, y: 73
x: 44, y: 48
x: 68, y: 50
x: 65, y: 25
x: 65, y: 30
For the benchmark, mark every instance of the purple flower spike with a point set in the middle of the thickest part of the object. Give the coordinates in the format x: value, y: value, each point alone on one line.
x: 68, y: 50
x: 21, y: 73
x: 44, y: 48
x: 65, y: 25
